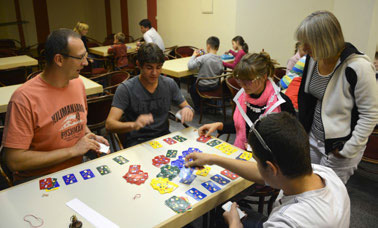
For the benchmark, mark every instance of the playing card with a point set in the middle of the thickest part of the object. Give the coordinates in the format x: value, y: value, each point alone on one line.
x: 227, y: 207
x: 45, y: 183
x: 203, y: 172
x: 171, y: 153
x: 134, y: 169
x: 196, y: 194
x: 246, y: 156
x: 103, y: 170
x: 178, y: 204
x: 220, y: 180
x: 155, y: 144
x: 55, y: 185
x: 104, y: 148
x: 87, y: 174
x: 214, y: 143
x: 69, y: 179
x: 169, y: 172
x: 211, y: 186
x: 170, y: 141
x: 229, y: 174
x: 163, y: 185
x: 179, y: 138
x: 203, y: 139
x: 186, y: 175
x: 178, y: 162
x: 160, y: 160
x: 120, y: 160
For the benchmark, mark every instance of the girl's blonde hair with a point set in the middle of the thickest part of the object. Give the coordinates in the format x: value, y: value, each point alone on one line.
x: 322, y: 31
x: 255, y: 65
x: 80, y: 26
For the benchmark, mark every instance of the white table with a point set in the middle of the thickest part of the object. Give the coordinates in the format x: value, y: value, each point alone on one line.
x: 6, y: 92
x: 103, y: 50
x: 111, y: 196
x: 17, y: 61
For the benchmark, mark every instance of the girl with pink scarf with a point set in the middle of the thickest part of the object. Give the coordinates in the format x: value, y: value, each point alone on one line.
x: 258, y: 96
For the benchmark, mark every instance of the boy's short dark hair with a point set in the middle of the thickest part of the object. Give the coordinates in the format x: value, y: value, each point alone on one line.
x: 57, y: 43
x: 150, y: 53
x: 213, y: 41
x: 287, y: 140
x: 145, y: 23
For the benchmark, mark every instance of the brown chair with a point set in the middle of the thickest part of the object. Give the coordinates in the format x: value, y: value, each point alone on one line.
x: 13, y: 76
x: 7, y: 52
x: 371, y: 153
x: 33, y: 74
x: 266, y: 196
x: 109, y: 40
x: 10, y: 43
x: 184, y: 51
x: 111, y: 80
x: 169, y: 52
x: 234, y: 88
x: 279, y: 72
x: 218, y: 94
x: 89, y: 71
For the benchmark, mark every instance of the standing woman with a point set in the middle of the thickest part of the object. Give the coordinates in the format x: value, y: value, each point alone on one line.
x: 337, y: 100
x: 82, y: 30
x: 239, y: 45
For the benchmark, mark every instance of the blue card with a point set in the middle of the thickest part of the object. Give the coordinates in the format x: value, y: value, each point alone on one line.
x: 220, y: 180
x: 87, y: 174
x: 196, y: 194
x: 69, y: 179
x: 210, y: 186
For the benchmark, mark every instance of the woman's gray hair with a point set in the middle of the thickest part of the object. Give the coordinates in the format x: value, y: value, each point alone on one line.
x: 322, y: 31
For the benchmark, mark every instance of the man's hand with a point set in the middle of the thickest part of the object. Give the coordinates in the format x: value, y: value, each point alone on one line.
x: 232, y: 216
x: 337, y: 154
x: 88, y: 142
x: 199, y: 159
x: 207, y: 129
x: 196, y: 53
x: 102, y: 140
x: 143, y: 120
x: 186, y: 114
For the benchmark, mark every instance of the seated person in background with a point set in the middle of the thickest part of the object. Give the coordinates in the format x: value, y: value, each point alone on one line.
x: 119, y: 50
x: 141, y: 104
x: 46, y: 123
x: 150, y: 35
x: 209, y: 65
x: 259, y: 96
x: 239, y: 45
x: 298, y: 53
x: 310, y: 196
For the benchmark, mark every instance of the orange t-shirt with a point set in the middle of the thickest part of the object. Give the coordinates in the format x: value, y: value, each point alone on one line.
x: 41, y: 117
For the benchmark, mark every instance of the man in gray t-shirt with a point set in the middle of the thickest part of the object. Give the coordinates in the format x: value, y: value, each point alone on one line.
x: 141, y: 105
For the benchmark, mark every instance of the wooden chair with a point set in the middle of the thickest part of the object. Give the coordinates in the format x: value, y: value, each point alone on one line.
x: 169, y: 52
x: 218, y: 94
x: 266, y: 196
x: 33, y: 74
x: 184, y: 51
x: 13, y: 76
x: 89, y: 71
x: 371, y: 153
x: 234, y: 88
x: 109, y: 40
x: 111, y: 80
x: 10, y: 43
x: 279, y: 72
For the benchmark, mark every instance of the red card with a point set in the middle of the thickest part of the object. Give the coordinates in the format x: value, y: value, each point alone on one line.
x: 170, y: 141
x: 160, y: 160
x: 203, y: 139
x: 134, y: 168
x: 229, y: 174
x: 45, y: 183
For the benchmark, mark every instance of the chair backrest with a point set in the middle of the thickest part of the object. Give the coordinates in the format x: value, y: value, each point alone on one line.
x: 9, y: 43
x: 109, y: 40
x: 13, y: 76
x: 279, y: 72
x: 184, y: 51
x: 169, y: 52
x: 32, y: 75
x: 111, y: 80
x: 98, y: 110
x: 218, y: 93
x: 7, y: 52
x: 232, y: 85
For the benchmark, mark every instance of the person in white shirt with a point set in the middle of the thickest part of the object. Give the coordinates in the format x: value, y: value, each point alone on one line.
x: 150, y: 35
x: 310, y: 196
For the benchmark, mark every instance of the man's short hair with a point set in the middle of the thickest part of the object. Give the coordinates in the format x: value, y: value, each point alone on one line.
x: 145, y: 23
x: 287, y: 140
x: 150, y: 53
x: 120, y: 37
x: 57, y: 43
x: 213, y: 41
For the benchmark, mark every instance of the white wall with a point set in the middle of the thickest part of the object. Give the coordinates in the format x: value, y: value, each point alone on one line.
x: 182, y: 22
x: 137, y: 10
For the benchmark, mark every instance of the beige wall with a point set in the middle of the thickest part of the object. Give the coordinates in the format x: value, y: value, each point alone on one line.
x: 7, y: 14
x: 137, y: 10
x: 182, y: 22
x: 116, y: 16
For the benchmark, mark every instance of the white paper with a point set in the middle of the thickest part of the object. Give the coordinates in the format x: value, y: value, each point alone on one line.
x: 91, y: 215
x: 104, y: 148
x: 227, y: 207
x: 178, y: 115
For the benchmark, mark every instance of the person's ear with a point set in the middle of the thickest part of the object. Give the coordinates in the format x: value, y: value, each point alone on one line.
x: 58, y: 59
x: 272, y: 168
x: 137, y: 63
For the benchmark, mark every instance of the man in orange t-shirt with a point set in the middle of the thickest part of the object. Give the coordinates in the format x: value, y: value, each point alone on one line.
x: 46, y: 123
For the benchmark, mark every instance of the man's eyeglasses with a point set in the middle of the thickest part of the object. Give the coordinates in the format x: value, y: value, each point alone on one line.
x: 260, y: 138
x: 246, y: 82
x: 75, y: 57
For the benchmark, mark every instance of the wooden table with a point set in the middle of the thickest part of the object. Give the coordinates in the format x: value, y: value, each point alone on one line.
x: 177, y: 68
x: 111, y: 196
x: 17, y: 61
x: 103, y: 50
x: 6, y: 92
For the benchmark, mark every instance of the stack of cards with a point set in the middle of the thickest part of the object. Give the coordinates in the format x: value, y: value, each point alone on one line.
x: 120, y: 160
x: 69, y: 179
x: 163, y: 185
x: 103, y: 170
x: 87, y: 174
x: 178, y: 204
x: 169, y: 172
x: 170, y: 141
x: 203, y: 139
x: 155, y: 144
x: 179, y: 138
x: 160, y: 160
x: 55, y: 185
x: 135, y: 175
x: 229, y: 174
x: 190, y: 150
x: 226, y: 148
x: 203, y: 172
x: 179, y: 162
x: 171, y: 153
x: 246, y: 156
x: 214, y: 143
x: 45, y: 183
x: 220, y: 180
x: 186, y: 175
x: 196, y: 194
x: 211, y: 186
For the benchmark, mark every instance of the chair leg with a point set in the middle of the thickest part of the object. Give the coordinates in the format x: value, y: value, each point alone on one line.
x: 224, y: 110
x: 261, y: 204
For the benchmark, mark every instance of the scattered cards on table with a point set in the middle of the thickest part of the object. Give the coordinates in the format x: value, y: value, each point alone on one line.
x: 246, y: 156
x: 195, y: 194
x: 103, y: 170
x: 120, y: 160
x: 135, y: 175
x: 170, y: 141
x: 211, y: 186
x: 214, y: 143
x: 169, y: 172
x: 171, y: 153
x: 203, y: 139
x: 160, y: 160
x: 203, y: 172
x: 69, y: 179
x: 220, y: 180
x: 87, y: 174
x: 179, y: 138
x: 178, y: 204
x: 55, y: 185
x: 45, y: 183
x: 163, y: 185
x: 155, y: 144
x: 186, y: 175
x: 229, y: 174
x: 226, y: 148
x: 179, y: 162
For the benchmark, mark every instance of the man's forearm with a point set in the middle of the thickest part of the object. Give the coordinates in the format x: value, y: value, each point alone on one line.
x: 116, y: 126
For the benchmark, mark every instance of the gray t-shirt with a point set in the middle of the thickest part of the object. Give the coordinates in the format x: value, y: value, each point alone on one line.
x: 133, y: 99
x: 325, y: 207
x: 209, y: 65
